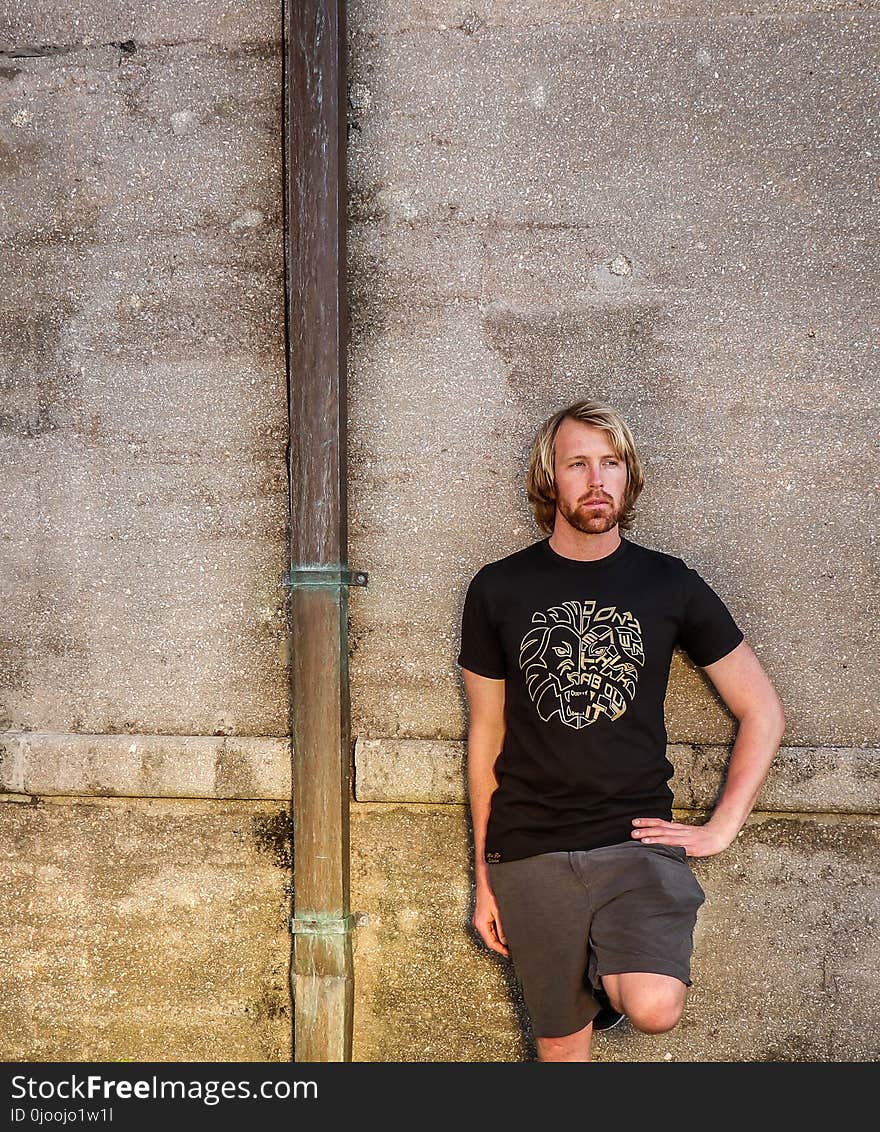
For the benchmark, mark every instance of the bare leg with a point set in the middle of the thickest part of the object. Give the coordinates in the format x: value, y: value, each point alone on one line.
x: 571, y: 1047
x: 653, y: 1003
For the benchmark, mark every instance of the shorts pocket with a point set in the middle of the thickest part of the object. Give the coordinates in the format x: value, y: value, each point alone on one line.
x: 681, y: 881
x: 677, y: 851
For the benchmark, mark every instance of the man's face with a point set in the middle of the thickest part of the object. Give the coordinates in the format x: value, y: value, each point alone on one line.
x: 588, y: 470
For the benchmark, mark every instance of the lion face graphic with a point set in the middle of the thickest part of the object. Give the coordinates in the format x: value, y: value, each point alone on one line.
x: 581, y: 662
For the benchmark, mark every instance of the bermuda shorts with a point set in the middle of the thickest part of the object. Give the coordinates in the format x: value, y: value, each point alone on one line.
x: 571, y: 917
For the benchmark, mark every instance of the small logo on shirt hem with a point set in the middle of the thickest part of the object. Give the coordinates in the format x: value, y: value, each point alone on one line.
x: 493, y: 858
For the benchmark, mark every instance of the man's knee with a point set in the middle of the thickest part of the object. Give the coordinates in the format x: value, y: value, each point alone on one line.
x: 655, y: 1012
x: 655, y: 1018
x: 570, y: 1047
x: 653, y: 1004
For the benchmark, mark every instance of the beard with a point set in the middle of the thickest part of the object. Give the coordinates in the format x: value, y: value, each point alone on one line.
x: 591, y: 520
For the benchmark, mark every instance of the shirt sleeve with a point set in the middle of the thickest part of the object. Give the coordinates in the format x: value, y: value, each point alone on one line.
x: 481, y: 650
x: 707, y: 631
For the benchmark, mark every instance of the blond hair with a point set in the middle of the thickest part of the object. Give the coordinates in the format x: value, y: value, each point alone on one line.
x: 541, y: 477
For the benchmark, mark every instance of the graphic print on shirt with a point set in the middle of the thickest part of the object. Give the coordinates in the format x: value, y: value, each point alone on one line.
x: 581, y: 662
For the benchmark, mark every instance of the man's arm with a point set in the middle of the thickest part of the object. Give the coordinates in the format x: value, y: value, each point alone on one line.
x: 746, y: 689
x: 486, y: 728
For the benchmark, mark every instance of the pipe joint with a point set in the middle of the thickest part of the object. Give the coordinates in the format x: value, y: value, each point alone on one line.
x: 321, y: 925
x: 327, y: 576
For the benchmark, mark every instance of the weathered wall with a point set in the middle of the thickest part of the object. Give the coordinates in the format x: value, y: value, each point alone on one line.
x: 785, y: 952
x: 144, y: 930
x: 142, y: 641
x: 666, y: 205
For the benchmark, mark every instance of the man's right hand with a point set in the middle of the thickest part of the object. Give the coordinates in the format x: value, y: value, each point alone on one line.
x: 488, y: 922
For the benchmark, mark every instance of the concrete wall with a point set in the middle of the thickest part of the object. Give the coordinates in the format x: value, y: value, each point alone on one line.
x: 665, y: 205
x: 143, y: 410
x: 668, y: 206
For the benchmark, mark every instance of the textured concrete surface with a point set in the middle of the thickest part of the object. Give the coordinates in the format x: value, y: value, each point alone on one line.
x: 673, y: 215
x: 667, y: 205
x: 144, y: 931
x: 786, y: 948
x: 409, y: 770
x: 382, y: 16
x: 150, y: 766
x: 801, y: 779
x: 553, y: 123
x: 71, y: 22
x: 425, y: 990
x: 117, y: 952
x: 143, y: 400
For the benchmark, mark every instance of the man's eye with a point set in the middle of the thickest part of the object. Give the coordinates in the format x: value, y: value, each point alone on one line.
x: 565, y: 651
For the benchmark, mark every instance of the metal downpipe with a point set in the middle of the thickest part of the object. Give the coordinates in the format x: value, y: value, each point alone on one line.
x: 321, y: 975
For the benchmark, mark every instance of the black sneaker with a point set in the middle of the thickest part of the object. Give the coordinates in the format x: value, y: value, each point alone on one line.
x: 608, y: 1017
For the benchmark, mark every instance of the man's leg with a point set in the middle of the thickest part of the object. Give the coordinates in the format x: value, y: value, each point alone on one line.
x: 545, y: 913
x: 572, y: 1047
x: 653, y: 1003
x: 647, y: 900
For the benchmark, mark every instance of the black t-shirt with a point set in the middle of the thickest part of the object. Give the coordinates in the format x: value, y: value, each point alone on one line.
x: 585, y: 650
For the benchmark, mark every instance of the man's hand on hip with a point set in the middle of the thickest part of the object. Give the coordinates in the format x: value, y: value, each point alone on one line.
x: 697, y: 840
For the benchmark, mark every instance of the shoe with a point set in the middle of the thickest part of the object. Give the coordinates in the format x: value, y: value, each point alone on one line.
x: 608, y: 1017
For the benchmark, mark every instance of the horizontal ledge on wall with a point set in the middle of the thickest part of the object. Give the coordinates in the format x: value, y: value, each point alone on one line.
x: 432, y: 771
x: 273, y: 806
x: 145, y: 766
x: 801, y: 779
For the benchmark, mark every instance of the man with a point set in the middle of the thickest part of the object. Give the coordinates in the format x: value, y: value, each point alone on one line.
x: 582, y: 876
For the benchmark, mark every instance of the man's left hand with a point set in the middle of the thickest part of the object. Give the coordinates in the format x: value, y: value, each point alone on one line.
x: 697, y: 840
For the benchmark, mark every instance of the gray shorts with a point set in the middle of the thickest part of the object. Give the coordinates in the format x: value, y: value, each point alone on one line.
x: 570, y: 918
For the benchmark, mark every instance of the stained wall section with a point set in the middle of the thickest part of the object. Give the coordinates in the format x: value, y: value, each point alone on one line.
x: 143, y: 409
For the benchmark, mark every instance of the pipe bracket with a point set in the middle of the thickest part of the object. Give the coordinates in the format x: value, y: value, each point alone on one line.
x: 324, y: 575
x: 321, y: 925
